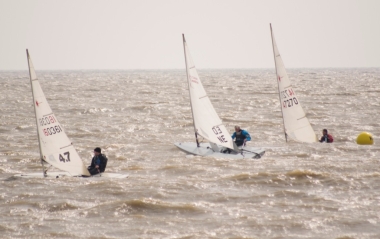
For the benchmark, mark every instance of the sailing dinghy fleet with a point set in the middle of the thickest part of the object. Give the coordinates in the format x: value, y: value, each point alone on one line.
x: 208, y: 124
x: 57, y: 150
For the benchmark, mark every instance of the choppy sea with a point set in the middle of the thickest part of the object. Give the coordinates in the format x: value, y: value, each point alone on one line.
x: 296, y: 190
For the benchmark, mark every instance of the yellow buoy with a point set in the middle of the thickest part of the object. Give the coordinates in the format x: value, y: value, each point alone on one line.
x: 364, y: 138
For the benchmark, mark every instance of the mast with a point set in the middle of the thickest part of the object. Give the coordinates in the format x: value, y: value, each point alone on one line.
x: 35, y: 114
x: 278, y: 86
x: 188, y: 83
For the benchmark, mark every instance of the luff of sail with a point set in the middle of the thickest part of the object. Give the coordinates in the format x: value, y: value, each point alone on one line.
x: 206, y: 121
x: 55, y: 146
x: 296, y: 124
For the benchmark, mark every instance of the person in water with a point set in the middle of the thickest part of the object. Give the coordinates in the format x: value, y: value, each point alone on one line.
x: 241, y: 135
x: 98, y: 163
x: 326, y: 137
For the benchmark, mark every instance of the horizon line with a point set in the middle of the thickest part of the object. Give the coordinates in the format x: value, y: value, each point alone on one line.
x: 209, y: 68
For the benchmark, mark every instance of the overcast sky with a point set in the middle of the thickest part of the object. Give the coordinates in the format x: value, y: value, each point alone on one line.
x: 113, y: 34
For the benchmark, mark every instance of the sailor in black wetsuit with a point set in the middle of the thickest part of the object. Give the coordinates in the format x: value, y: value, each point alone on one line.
x: 98, y: 163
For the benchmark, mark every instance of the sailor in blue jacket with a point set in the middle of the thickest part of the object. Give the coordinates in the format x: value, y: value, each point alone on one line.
x: 241, y: 135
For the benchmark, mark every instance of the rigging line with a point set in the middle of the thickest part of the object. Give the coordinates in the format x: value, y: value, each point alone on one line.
x: 250, y: 151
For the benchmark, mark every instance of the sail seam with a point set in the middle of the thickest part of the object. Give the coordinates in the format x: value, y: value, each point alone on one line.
x: 218, y: 125
x: 66, y: 146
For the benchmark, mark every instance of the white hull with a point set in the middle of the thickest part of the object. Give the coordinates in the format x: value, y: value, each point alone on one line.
x: 65, y: 174
x: 205, y: 149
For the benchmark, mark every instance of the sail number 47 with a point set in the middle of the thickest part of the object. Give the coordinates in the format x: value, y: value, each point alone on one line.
x: 64, y: 160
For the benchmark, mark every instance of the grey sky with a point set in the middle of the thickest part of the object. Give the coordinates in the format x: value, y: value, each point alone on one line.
x: 80, y: 34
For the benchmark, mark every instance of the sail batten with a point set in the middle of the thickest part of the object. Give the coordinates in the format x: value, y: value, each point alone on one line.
x: 55, y: 147
x: 296, y: 124
x: 206, y: 121
x: 66, y: 146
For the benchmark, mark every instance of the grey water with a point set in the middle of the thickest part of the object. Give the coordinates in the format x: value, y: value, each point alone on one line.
x: 296, y: 190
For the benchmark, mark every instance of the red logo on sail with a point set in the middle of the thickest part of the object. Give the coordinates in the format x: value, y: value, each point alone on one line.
x: 279, y: 78
x: 194, y: 79
x: 37, y: 103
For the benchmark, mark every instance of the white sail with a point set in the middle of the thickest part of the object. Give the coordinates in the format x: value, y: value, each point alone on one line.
x: 206, y: 121
x: 296, y: 125
x: 55, y: 146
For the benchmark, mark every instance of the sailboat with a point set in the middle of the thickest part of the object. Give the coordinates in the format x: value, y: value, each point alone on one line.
x: 296, y: 125
x: 207, y: 123
x: 55, y: 147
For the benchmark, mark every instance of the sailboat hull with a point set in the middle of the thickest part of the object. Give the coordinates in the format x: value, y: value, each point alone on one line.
x: 205, y: 149
x: 65, y: 174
